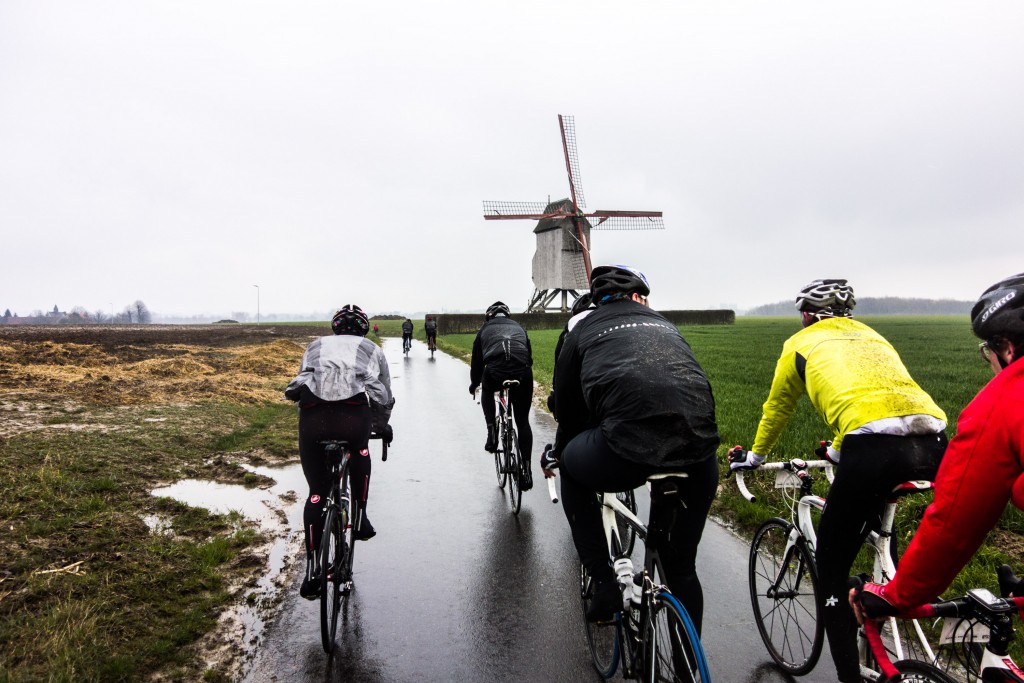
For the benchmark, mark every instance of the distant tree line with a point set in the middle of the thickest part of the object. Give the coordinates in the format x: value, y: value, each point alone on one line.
x: 886, y: 305
x: 134, y: 313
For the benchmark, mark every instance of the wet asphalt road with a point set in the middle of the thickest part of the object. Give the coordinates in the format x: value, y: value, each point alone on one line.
x: 456, y: 588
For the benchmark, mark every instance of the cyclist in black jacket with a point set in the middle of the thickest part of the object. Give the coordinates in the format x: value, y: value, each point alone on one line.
x: 631, y: 401
x: 501, y: 351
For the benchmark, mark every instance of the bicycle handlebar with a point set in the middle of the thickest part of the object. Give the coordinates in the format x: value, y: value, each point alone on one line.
x: 551, y: 489
x: 789, y: 465
x: 384, y: 454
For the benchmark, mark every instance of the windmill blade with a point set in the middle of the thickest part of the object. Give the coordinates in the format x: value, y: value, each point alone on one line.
x: 626, y: 220
x: 513, y: 210
x: 572, y: 160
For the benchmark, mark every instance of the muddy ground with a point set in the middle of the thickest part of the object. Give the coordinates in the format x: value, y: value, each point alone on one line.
x: 164, y: 389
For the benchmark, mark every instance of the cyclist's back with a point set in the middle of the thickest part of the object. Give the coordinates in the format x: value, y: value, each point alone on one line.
x: 503, y: 348
x: 641, y: 379
x: 851, y: 374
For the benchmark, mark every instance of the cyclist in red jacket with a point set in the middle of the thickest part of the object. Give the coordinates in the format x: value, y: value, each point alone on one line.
x: 982, y: 468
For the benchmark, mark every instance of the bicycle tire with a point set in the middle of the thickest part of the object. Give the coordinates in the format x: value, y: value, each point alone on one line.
x: 331, y: 556
x: 788, y: 618
x: 603, y: 639
x: 627, y: 534
x: 672, y: 648
x: 515, y: 466
x: 914, y: 670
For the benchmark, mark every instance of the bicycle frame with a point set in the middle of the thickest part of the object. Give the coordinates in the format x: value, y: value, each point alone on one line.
x: 612, y: 506
x: 879, y: 542
x: 980, y: 605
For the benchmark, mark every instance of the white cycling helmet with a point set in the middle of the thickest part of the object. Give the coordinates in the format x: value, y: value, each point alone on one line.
x: 827, y: 298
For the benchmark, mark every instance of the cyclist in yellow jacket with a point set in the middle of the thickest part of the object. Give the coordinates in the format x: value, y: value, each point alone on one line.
x: 887, y: 430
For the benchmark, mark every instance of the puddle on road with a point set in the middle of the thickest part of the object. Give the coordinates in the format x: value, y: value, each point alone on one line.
x: 278, y: 510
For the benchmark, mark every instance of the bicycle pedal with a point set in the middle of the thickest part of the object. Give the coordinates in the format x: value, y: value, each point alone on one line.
x: 346, y: 587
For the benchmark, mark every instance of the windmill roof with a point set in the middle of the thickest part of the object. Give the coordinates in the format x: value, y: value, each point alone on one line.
x: 557, y: 223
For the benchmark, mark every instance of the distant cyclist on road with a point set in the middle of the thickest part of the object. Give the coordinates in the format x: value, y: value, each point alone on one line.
x: 340, y: 376
x: 501, y: 351
x: 887, y: 431
x: 631, y: 400
x: 981, y: 470
x: 430, y: 328
x: 406, y: 335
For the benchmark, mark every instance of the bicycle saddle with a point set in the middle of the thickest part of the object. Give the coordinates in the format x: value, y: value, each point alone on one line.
x: 909, y: 487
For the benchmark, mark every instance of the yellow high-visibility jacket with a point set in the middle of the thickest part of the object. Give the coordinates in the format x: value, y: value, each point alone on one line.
x: 852, y: 375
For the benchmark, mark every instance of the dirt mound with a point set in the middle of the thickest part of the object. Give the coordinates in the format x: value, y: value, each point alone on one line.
x: 276, y: 359
x: 159, y: 370
x: 52, y: 353
x: 171, y: 368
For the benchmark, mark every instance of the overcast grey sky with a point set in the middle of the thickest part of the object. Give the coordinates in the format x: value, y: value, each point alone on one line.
x: 180, y: 152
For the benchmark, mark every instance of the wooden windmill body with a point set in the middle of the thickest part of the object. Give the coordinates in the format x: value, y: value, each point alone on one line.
x: 561, y: 264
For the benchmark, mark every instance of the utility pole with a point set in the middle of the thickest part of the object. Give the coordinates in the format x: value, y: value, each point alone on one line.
x: 257, y: 304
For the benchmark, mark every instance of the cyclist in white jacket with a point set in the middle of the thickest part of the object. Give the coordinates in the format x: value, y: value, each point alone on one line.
x: 341, y: 376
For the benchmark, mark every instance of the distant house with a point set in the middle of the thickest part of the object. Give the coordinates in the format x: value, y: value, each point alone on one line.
x: 56, y: 316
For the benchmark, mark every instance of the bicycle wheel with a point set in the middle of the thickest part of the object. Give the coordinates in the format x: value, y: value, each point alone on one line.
x: 783, y: 592
x: 627, y: 535
x: 602, y: 638
x: 515, y: 465
x: 332, y: 554
x: 915, y: 670
x: 672, y: 648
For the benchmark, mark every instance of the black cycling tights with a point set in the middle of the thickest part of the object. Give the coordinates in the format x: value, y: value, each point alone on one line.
x: 345, y: 421
x: 521, y: 397
x: 588, y: 465
x: 870, y: 467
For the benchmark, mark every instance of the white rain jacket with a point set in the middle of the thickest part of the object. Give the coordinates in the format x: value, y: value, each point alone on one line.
x: 338, y: 367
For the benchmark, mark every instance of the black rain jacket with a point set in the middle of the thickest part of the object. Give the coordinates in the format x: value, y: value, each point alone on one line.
x: 626, y: 369
x: 503, y: 348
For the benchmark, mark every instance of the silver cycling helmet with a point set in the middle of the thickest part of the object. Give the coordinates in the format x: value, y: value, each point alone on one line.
x: 829, y: 298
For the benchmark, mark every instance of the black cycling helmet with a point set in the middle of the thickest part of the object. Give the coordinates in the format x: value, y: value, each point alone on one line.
x: 830, y: 298
x: 497, y: 308
x: 606, y: 281
x: 350, y: 320
x: 581, y: 304
x: 1000, y: 310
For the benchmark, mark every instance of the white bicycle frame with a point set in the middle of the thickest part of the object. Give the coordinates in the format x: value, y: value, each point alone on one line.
x: 611, y: 506
x: 878, y: 541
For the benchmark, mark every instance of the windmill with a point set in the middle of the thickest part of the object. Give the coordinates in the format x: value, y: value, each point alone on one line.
x: 561, y: 264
